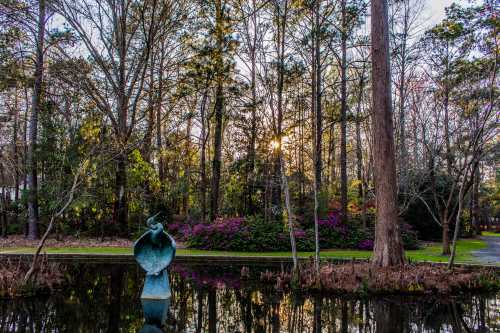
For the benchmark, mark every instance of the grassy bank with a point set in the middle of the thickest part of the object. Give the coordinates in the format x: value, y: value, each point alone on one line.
x: 430, y: 253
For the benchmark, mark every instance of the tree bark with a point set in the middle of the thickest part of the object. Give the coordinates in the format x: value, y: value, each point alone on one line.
x: 343, y: 116
x: 388, y: 248
x: 15, y: 152
x: 218, y: 111
x: 32, y: 177
x: 286, y: 191
x: 203, y: 167
x: 253, y: 120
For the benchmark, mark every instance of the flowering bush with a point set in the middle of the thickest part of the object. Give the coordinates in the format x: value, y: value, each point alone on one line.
x: 366, y: 244
x: 254, y: 234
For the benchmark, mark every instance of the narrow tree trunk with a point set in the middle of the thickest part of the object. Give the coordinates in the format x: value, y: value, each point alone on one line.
x: 159, y: 102
x: 359, y: 151
x: 33, y: 127
x: 121, y: 202
x: 343, y: 116
x: 446, y: 232
x: 461, y: 196
x: 253, y: 120
x: 476, y: 221
x: 446, y: 117
x: 15, y: 153
x: 121, y: 186
x: 216, y: 161
x: 3, y: 203
x: 286, y: 191
x: 218, y: 111
x: 317, y: 134
x: 212, y: 310
x: 403, y: 160
x: 148, y: 137
x: 203, y: 168
x: 388, y: 249
x: 187, y: 169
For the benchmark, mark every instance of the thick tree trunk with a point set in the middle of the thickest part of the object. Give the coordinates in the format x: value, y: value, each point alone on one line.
x: 33, y: 127
x: 388, y: 249
x: 343, y: 117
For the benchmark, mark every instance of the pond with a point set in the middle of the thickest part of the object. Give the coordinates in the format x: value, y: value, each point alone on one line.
x: 105, y: 298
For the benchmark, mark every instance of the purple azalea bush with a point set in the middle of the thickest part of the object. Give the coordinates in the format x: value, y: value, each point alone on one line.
x: 254, y: 234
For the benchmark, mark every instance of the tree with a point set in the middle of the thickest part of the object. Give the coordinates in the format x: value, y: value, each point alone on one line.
x: 127, y: 32
x: 388, y: 247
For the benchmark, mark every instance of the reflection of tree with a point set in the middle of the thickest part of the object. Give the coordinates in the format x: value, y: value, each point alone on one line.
x: 115, y: 298
x: 212, y: 310
x: 106, y: 299
x: 388, y: 317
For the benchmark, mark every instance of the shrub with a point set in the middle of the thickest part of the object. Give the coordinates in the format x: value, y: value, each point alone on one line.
x: 254, y: 234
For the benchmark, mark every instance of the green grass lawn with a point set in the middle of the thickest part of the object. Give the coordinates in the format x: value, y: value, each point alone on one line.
x: 431, y: 253
x: 490, y: 233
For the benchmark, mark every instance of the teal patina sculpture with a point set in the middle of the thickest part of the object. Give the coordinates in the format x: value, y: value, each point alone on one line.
x: 154, y: 251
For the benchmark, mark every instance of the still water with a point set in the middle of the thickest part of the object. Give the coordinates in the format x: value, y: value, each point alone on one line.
x: 105, y: 298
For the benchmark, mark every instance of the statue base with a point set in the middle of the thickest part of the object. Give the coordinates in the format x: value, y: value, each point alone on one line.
x: 156, y: 287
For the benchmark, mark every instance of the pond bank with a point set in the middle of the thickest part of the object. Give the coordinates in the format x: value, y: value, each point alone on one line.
x: 466, y: 249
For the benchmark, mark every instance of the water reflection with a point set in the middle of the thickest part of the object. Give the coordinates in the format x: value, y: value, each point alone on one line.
x: 107, y: 299
x: 155, y: 314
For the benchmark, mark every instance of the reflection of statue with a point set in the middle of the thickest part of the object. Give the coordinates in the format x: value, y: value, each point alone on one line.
x: 155, y: 314
x: 154, y: 251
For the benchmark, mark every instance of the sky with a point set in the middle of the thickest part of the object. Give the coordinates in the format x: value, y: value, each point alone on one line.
x: 434, y: 9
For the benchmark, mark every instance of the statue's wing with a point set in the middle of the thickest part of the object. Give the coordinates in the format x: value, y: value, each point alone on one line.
x: 154, y: 258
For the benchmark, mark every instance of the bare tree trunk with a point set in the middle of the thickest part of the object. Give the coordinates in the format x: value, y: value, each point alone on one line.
x: 121, y: 202
x: 286, y: 191
x: 388, y: 249
x: 253, y: 121
x: 159, y: 102
x: 218, y: 111
x: 359, y: 151
x: 317, y: 133
x: 281, y: 34
x: 70, y: 196
x: 446, y: 232
x: 121, y: 188
x: 461, y: 196
x: 446, y: 116
x: 33, y: 127
x: 203, y: 168
x: 343, y: 116
x: 187, y: 167
x: 476, y: 221
x: 15, y: 152
x: 216, y: 161
x: 3, y: 203
x: 148, y: 137
x: 403, y: 155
